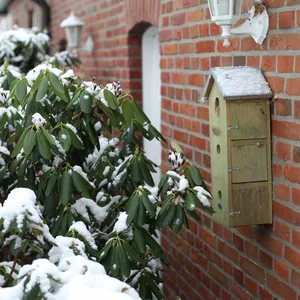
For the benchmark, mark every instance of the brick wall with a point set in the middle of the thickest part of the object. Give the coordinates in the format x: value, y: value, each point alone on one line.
x: 210, y: 261
x: 25, y: 13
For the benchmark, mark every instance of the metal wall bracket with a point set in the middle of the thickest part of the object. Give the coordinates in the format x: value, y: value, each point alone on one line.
x: 229, y: 128
x: 233, y: 169
x: 232, y: 213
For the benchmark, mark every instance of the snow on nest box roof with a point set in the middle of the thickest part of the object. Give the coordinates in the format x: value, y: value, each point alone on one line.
x: 238, y: 83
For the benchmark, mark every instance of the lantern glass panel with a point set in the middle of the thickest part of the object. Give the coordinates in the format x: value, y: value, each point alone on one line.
x: 73, y: 36
x: 237, y: 7
x: 223, y: 7
x: 212, y: 8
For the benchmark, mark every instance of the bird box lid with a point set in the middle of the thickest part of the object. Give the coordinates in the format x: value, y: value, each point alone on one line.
x: 238, y: 83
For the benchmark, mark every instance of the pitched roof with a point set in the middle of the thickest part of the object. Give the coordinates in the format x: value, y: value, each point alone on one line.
x: 238, y: 83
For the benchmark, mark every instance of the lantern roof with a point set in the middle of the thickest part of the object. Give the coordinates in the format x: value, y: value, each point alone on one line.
x: 238, y: 83
x: 71, y: 21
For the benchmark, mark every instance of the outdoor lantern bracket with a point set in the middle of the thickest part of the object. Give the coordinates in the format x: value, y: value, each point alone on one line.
x: 226, y: 12
x: 256, y: 25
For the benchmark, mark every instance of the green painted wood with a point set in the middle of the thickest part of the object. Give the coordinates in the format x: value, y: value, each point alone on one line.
x: 250, y: 204
x: 250, y: 117
x: 250, y: 158
x: 219, y: 156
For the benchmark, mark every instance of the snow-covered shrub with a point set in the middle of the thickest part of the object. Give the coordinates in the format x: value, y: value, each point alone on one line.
x: 25, y: 48
x: 78, y: 204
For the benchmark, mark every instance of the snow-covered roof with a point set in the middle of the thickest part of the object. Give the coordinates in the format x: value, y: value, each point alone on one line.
x: 238, y: 83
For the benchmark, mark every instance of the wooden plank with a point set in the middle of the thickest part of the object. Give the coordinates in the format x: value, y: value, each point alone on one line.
x: 249, y: 160
x: 251, y: 118
x: 250, y: 204
x: 219, y: 156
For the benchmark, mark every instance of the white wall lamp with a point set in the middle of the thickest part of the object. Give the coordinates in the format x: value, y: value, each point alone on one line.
x: 226, y: 12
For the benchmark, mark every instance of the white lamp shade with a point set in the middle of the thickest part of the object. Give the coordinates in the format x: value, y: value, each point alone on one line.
x: 73, y: 28
x: 224, y: 12
x: 73, y: 36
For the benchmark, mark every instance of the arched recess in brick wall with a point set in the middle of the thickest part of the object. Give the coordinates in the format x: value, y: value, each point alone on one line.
x: 142, y: 18
x: 146, y: 11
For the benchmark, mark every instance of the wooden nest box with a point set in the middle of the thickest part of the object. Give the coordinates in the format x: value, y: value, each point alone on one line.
x: 240, y: 145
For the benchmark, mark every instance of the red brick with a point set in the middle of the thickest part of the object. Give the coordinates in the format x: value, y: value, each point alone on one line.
x: 285, y: 129
x: 292, y: 256
x: 282, y: 230
x: 238, y: 291
x: 282, y: 269
x: 207, y: 237
x: 196, y: 15
x: 194, y: 31
x: 205, y: 46
x: 276, y: 83
x: 264, y: 294
x: 228, y: 251
x: 296, y: 154
x: 288, y: 41
x: 267, y: 241
x: 181, y: 136
x: 286, y: 19
x: 296, y: 196
x: 218, y: 275
x: 285, y: 64
x: 253, y: 61
x: 296, y: 278
x: 203, y: 30
x: 202, y: 113
x: 276, y: 170
x: 291, y: 173
x: 170, y: 49
x: 187, y: 48
x: 238, y: 242
x: 281, y: 288
x: 265, y: 259
x: 238, y: 275
x: 282, y: 191
x: 283, y: 107
x: 178, y: 18
x: 268, y: 63
x: 196, y: 79
x: 283, y: 151
x: 286, y: 213
x: 272, y: 21
x: 251, y: 250
x: 293, y: 86
x: 296, y: 238
x: 297, y: 109
x: 251, y: 285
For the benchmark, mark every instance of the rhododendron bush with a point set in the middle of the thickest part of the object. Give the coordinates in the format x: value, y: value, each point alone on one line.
x: 79, y: 211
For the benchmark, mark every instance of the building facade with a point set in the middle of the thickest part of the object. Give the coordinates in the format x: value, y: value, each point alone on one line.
x: 209, y: 261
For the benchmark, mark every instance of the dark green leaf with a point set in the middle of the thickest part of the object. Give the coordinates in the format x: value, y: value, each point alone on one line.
x: 42, y: 89
x: 170, y: 216
x: 74, y: 138
x: 65, y: 188
x: 146, y: 173
x: 127, y: 112
x: 152, y: 243
x: 191, y: 201
x: 86, y: 102
x: 135, y: 171
x: 65, y: 139
x: 178, y: 220
x: 48, y: 136
x: 176, y: 147
x: 111, y: 99
x: 149, y: 206
x: 43, y: 145
x: 196, y: 175
x: 29, y: 142
x: 139, y: 240
x: 21, y: 90
x: 132, y: 208
x: 124, y: 263
x: 131, y: 253
x: 20, y: 143
x: 58, y: 87
x: 50, y: 184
